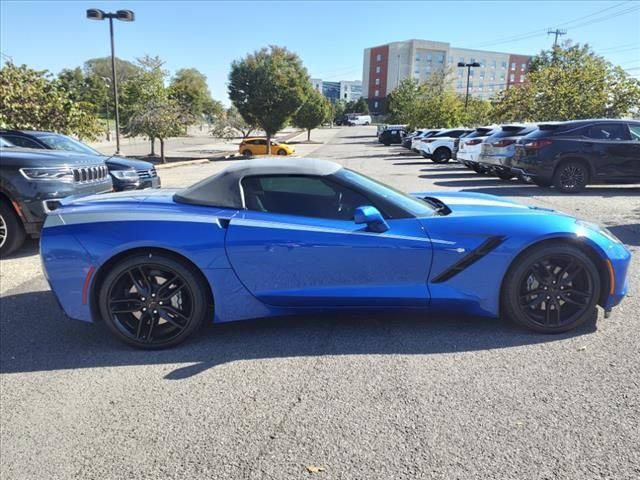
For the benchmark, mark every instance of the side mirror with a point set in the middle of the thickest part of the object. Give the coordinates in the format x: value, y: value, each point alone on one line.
x: 372, y: 217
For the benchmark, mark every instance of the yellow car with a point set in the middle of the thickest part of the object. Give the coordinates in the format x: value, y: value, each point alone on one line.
x: 258, y: 146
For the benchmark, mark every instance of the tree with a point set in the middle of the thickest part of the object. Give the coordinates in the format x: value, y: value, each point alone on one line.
x: 101, y: 67
x: 229, y: 123
x: 570, y: 82
x: 159, y: 118
x: 315, y: 110
x: 339, y: 108
x: 189, y: 88
x: 33, y: 100
x: 267, y: 87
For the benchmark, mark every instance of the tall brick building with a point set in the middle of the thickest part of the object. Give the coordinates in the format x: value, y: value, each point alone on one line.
x: 385, y: 66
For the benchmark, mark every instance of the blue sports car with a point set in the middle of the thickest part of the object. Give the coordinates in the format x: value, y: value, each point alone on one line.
x: 283, y: 236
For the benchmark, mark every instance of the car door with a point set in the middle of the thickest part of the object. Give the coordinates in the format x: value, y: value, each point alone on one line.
x: 606, y: 146
x: 631, y: 165
x: 296, y: 244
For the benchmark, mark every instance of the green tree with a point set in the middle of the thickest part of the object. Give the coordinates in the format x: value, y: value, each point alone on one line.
x: 159, y: 118
x: 267, y: 87
x: 189, y: 88
x: 315, y: 110
x: 34, y: 100
x: 570, y: 82
x: 338, y: 108
x: 101, y: 67
x: 478, y: 112
x: 228, y: 124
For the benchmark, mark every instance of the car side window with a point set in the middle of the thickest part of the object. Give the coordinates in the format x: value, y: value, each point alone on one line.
x: 301, y: 195
x: 23, y: 142
x: 635, y: 132
x: 607, y: 131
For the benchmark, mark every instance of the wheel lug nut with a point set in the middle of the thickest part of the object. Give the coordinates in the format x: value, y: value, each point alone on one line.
x: 548, y: 298
x: 156, y: 311
x: 143, y: 299
x: 557, y: 298
x: 144, y: 309
x: 153, y: 294
x: 160, y: 303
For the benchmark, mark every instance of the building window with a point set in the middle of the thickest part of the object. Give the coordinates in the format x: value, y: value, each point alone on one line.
x: 417, y: 58
x: 378, y: 69
x: 502, y: 77
x: 472, y: 60
x: 440, y: 58
x: 460, y: 73
x: 471, y: 72
x: 428, y: 57
x: 504, y: 65
x: 523, y: 66
x: 483, y: 62
x: 493, y: 76
x: 416, y: 72
x: 470, y: 83
x: 493, y: 64
x: 521, y: 78
x: 482, y: 75
x: 375, y: 104
x: 377, y: 81
x: 376, y: 93
x: 512, y: 78
x: 427, y: 68
x: 513, y: 66
x: 450, y: 60
x: 378, y: 58
x: 461, y: 60
x: 459, y: 84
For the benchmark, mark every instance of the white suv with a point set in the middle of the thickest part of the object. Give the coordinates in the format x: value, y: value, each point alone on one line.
x: 470, y: 146
x: 415, y: 141
x: 438, y: 148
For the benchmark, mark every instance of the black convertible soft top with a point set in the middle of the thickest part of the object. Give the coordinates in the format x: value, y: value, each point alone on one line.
x: 223, y: 189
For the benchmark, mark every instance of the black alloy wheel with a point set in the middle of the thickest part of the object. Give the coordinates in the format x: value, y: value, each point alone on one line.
x: 12, y: 233
x: 571, y: 177
x: 504, y: 175
x: 441, y: 155
x: 152, y: 301
x: 282, y: 152
x: 247, y: 153
x: 552, y: 290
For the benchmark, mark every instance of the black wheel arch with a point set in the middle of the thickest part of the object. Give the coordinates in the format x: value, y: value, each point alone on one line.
x: 590, y: 251
x: 102, y: 272
x: 4, y: 196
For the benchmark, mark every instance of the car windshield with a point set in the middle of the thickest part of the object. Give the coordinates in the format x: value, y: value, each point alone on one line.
x: 61, y: 142
x: 413, y: 205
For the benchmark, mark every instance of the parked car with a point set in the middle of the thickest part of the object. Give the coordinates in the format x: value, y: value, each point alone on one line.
x: 126, y: 173
x: 359, y: 120
x: 33, y: 180
x: 439, y: 147
x: 392, y: 135
x: 258, y: 146
x: 415, y: 141
x: 406, y: 141
x: 573, y: 154
x: 497, y: 150
x: 456, y: 145
x: 274, y: 237
x: 470, y: 146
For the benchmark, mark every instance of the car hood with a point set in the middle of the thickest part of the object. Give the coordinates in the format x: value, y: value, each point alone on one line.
x: 36, y: 157
x: 468, y: 203
x: 119, y: 163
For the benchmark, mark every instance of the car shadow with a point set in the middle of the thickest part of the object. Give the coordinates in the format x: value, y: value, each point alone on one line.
x: 516, y: 188
x: 628, y: 234
x: 37, y: 337
x: 31, y: 247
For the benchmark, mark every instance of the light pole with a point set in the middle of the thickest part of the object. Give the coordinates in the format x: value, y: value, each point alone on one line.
x: 469, y: 66
x: 125, y: 16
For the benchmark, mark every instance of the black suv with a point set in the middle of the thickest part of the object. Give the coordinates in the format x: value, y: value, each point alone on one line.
x: 392, y: 135
x: 570, y: 155
x: 32, y: 180
x: 126, y: 174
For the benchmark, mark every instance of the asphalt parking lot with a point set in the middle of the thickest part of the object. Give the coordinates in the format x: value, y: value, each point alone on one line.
x: 340, y: 397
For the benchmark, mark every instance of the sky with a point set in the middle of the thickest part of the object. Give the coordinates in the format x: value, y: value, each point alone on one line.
x: 329, y: 36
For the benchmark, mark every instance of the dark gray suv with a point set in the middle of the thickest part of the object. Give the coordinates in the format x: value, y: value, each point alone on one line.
x: 30, y: 182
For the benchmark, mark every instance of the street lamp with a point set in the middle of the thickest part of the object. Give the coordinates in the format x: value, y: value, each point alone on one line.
x: 125, y: 16
x: 469, y: 66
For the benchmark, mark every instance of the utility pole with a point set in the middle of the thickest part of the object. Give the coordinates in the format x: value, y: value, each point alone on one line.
x: 557, y: 32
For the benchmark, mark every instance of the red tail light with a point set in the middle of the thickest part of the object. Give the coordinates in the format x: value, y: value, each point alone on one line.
x: 473, y: 142
x: 428, y: 140
x: 537, y: 144
x: 503, y: 143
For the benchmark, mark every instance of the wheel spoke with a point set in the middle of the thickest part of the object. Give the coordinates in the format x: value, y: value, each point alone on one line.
x: 172, y: 316
x: 541, y: 276
x: 146, y: 324
x: 142, y: 286
x: 126, y: 305
x: 534, y: 302
x: 165, y: 292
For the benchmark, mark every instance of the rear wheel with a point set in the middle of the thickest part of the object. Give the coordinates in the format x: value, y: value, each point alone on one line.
x: 152, y: 301
x: 553, y: 289
x: 571, y: 177
x: 282, y: 152
x: 247, y: 153
x: 12, y: 233
x: 502, y: 175
x: 441, y: 155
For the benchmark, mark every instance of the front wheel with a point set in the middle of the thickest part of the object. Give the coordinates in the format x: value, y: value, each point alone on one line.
x: 553, y: 289
x: 571, y: 177
x: 282, y: 152
x: 441, y: 155
x: 247, y: 153
x: 502, y: 175
x: 152, y: 301
x: 12, y: 233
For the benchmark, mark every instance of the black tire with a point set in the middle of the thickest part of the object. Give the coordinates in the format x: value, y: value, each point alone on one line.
x: 502, y: 175
x: 553, y: 288
x: 479, y: 169
x: 282, y: 152
x: 542, y: 183
x: 571, y: 177
x: 441, y: 155
x: 172, y: 312
x: 12, y: 233
x: 247, y: 153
